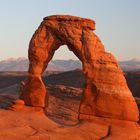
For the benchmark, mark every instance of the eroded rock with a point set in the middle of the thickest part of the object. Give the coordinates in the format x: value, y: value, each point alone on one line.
x: 105, y: 94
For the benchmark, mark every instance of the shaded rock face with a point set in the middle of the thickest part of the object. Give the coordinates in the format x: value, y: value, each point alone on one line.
x: 105, y: 93
x: 63, y: 104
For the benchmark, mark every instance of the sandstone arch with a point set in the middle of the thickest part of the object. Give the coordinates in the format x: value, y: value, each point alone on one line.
x: 106, y: 93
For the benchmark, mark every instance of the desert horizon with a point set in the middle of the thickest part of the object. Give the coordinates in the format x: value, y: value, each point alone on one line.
x: 22, y: 64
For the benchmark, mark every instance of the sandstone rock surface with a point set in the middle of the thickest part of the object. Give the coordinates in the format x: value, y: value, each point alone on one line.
x: 34, y: 125
x: 105, y: 94
x: 60, y: 120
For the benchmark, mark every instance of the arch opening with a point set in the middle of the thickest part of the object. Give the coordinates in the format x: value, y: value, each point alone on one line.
x: 63, y: 53
x: 64, y: 87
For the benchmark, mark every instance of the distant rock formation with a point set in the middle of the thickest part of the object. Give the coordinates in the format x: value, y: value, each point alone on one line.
x: 105, y: 94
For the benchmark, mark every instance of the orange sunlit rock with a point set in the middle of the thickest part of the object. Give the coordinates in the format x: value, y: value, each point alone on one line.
x: 105, y: 94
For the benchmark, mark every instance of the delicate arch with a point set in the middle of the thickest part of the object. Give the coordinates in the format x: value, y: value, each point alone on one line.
x: 105, y: 94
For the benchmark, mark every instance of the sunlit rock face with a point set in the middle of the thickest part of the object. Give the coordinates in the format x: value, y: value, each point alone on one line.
x: 105, y: 93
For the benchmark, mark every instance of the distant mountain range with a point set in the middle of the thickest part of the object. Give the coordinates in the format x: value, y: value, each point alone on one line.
x: 21, y: 64
x: 130, y: 65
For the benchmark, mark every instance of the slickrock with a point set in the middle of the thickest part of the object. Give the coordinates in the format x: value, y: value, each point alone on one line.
x: 27, y: 124
x: 106, y: 93
x: 34, y: 123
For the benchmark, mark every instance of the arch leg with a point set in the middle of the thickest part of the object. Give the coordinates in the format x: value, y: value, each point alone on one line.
x: 34, y: 91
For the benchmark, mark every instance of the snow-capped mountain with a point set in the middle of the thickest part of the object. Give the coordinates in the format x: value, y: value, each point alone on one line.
x: 22, y: 63
x: 130, y: 65
x: 14, y: 64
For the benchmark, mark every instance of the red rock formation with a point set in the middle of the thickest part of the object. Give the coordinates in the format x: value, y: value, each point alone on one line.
x: 34, y: 125
x: 106, y: 93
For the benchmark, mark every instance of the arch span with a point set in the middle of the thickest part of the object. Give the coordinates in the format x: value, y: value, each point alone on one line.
x: 105, y: 94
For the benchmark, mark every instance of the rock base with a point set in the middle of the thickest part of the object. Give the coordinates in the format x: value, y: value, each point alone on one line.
x: 27, y: 124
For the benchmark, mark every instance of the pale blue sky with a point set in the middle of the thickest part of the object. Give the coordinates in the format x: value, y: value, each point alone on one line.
x: 117, y: 24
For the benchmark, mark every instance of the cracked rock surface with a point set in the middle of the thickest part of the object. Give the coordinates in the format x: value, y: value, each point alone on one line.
x: 26, y: 123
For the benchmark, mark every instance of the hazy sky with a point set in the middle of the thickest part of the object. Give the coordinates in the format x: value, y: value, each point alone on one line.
x: 117, y: 24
